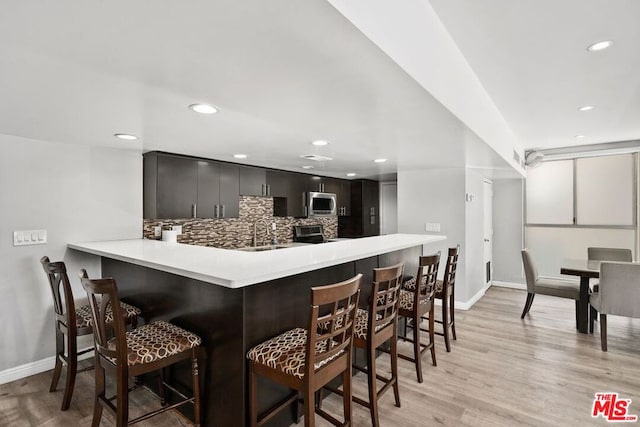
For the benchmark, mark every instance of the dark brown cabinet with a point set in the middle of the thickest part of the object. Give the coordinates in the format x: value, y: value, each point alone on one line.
x: 183, y: 187
x: 342, y: 190
x: 365, y: 217
x: 253, y: 181
x: 287, y: 189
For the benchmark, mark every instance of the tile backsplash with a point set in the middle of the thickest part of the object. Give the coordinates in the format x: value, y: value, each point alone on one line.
x: 233, y: 233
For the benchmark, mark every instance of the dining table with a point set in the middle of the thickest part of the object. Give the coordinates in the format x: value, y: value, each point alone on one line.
x: 585, y: 269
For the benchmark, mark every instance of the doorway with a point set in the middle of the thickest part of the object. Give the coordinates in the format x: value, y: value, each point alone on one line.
x: 388, y: 207
x: 488, y: 231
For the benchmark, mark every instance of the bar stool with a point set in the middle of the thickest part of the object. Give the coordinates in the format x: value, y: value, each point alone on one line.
x: 72, y: 322
x: 445, y: 290
x: 414, y: 304
x: 148, y: 348
x: 306, y: 359
x: 373, y: 328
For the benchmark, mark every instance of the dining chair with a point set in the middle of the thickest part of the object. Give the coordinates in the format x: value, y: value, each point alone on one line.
x: 545, y: 286
x: 72, y: 322
x: 373, y: 328
x: 605, y: 254
x: 445, y: 291
x: 414, y: 304
x: 619, y: 294
x: 126, y: 355
x: 307, y: 359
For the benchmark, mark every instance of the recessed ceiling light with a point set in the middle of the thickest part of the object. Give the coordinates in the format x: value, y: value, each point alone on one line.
x: 586, y: 108
x: 579, y: 136
x: 380, y: 160
x: 203, y: 108
x: 240, y: 156
x: 351, y: 174
x: 320, y: 142
x: 126, y: 136
x: 307, y: 167
x: 601, y: 45
x: 316, y: 177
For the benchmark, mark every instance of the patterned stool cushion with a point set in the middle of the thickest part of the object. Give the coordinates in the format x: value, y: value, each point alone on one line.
x: 155, y: 341
x: 361, y: 325
x: 406, y: 299
x: 410, y: 285
x: 286, y: 352
x: 84, y: 320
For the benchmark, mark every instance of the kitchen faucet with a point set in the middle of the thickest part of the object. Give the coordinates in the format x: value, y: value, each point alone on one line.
x: 255, y: 227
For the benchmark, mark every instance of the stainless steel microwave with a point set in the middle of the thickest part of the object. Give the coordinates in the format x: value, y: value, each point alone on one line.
x: 320, y: 204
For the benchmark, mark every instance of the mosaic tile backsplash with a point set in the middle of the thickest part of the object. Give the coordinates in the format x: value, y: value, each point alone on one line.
x: 233, y: 233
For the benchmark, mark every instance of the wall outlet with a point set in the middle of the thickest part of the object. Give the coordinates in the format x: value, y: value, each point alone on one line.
x: 432, y: 226
x: 177, y: 228
x: 157, y: 231
x: 29, y: 237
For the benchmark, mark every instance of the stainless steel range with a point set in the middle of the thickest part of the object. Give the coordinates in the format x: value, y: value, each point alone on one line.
x: 308, y: 233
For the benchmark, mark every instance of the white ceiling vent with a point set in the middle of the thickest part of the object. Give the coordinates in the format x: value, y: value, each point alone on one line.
x: 316, y: 158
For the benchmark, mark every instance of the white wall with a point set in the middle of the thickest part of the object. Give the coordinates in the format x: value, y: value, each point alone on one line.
x: 76, y: 193
x: 388, y: 207
x: 474, y: 235
x: 435, y: 196
x: 508, y: 231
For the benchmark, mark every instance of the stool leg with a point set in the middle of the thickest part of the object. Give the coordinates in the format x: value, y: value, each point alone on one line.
x: 72, y: 367
x: 347, y: 396
x: 253, y: 397
x: 432, y: 335
x: 100, y: 392
x: 445, y: 324
x: 452, y: 303
x: 373, y: 388
x: 122, y: 397
x: 416, y: 347
x: 196, y: 387
x: 162, y: 389
x: 309, y: 407
x: 57, y: 370
x: 394, y: 366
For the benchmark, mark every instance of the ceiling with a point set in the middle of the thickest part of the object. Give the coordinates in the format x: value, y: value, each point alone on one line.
x: 285, y: 73
x: 531, y: 57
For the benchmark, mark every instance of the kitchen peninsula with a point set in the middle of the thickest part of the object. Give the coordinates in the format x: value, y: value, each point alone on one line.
x: 236, y: 299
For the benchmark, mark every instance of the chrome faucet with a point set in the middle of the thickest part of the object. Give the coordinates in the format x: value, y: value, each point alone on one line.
x: 255, y: 228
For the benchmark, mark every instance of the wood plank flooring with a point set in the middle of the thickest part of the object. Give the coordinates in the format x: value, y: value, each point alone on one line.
x: 502, y: 371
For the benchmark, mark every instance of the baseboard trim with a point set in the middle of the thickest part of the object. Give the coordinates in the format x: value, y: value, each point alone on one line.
x: 466, y: 305
x: 511, y: 285
x: 32, y: 368
x: 27, y: 370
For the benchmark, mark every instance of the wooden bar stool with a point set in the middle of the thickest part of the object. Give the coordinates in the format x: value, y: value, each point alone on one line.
x: 414, y: 304
x: 445, y: 290
x: 373, y: 328
x: 72, y: 322
x: 148, y: 348
x: 306, y: 359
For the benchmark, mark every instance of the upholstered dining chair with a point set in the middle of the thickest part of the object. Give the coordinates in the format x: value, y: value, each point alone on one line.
x: 126, y: 355
x: 543, y: 286
x: 307, y: 359
x: 605, y: 254
x: 70, y: 323
x: 619, y: 294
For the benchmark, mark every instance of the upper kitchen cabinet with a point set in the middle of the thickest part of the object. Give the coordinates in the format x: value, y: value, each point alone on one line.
x: 253, y: 181
x: 365, y: 211
x: 342, y: 189
x: 287, y: 188
x: 183, y: 187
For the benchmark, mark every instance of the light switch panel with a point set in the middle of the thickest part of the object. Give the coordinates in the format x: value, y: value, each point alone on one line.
x: 29, y: 237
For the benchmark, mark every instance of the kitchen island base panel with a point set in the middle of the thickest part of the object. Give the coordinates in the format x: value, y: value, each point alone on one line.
x: 231, y: 321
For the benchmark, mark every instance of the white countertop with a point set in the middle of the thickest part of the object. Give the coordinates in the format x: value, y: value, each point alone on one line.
x: 236, y: 269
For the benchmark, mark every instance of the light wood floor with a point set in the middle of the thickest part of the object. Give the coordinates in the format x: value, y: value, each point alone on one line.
x: 502, y: 371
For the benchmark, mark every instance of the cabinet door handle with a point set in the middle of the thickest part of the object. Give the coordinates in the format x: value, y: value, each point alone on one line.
x: 222, y: 213
x: 194, y: 211
x: 268, y: 189
x: 262, y: 192
x: 215, y: 211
